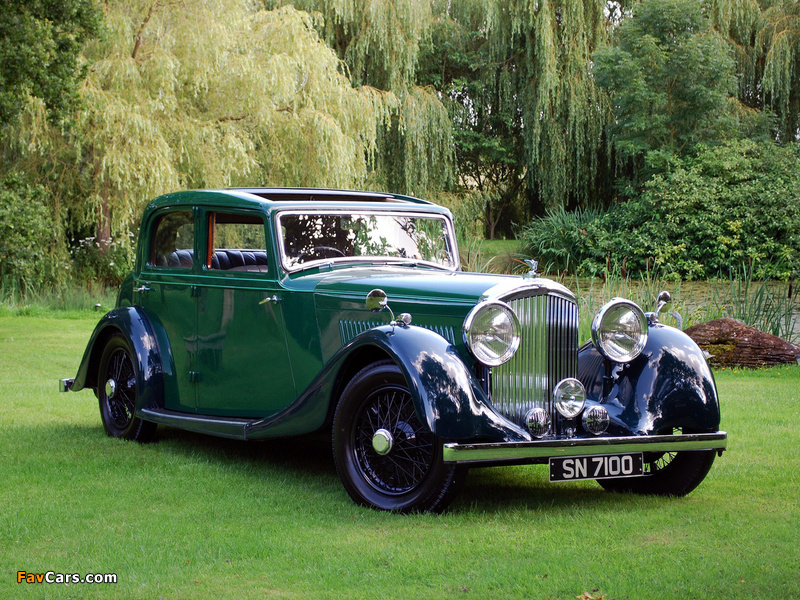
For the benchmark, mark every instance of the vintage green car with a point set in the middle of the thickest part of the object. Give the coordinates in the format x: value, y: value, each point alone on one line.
x: 263, y: 313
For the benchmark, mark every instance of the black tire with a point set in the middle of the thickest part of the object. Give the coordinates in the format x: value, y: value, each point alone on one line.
x: 116, y: 391
x: 411, y: 476
x: 666, y: 474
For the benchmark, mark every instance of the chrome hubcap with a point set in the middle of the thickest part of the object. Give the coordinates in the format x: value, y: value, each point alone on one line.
x: 382, y: 442
x: 111, y: 388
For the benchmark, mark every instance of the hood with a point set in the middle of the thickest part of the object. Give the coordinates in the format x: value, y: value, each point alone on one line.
x: 409, y: 284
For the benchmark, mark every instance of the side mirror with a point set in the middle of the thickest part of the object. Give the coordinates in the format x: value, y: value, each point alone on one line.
x: 663, y: 299
x: 377, y: 300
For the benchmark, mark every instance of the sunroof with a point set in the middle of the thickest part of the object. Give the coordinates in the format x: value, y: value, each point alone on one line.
x: 312, y: 195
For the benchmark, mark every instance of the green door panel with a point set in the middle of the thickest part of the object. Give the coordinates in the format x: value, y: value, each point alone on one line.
x: 241, y: 351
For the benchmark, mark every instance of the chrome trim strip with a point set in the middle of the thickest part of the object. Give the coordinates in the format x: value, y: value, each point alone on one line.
x: 515, y: 287
x: 511, y: 451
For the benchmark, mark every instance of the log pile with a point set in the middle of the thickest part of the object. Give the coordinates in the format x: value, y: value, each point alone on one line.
x: 732, y: 343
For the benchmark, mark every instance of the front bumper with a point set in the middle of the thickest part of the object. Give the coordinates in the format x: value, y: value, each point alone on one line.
x: 541, y: 450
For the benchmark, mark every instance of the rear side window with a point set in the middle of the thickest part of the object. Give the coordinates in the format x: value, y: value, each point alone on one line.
x: 237, y: 242
x: 173, y: 240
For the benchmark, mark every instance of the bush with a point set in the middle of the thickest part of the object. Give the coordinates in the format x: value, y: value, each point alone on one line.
x: 565, y: 241
x: 108, y: 265
x: 29, y: 257
x: 731, y: 205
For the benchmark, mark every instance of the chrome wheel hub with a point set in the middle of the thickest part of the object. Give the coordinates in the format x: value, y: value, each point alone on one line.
x: 111, y: 388
x: 382, y: 442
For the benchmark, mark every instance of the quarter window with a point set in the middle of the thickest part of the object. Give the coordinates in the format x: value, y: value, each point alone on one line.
x: 173, y: 240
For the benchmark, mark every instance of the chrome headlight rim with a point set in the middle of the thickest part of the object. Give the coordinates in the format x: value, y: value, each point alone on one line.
x: 605, y: 322
x: 472, y: 336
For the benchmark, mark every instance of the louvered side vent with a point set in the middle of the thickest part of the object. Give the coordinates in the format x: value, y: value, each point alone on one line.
x: 548, y: 353
x: 350, y: 329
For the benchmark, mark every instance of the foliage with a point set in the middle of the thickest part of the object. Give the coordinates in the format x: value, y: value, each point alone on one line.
x: 40, y: 43
x: 765, y: 305
x: 671, y: 80
x: 561, y: 240
x: 378, y: 40
x: 734, y: 204
x: 379, y: 43
x: 28, y: 243
x: 765, y: 38
x: 106, y: 263
x: 738, y: 203
x: 528, y: 118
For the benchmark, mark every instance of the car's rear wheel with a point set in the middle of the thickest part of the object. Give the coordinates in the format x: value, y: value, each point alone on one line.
x: 116, y: 391
x: 666, y: 473
x: 386, y: 458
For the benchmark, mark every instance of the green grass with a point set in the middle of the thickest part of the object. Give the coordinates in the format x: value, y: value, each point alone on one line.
x: 196, y: 517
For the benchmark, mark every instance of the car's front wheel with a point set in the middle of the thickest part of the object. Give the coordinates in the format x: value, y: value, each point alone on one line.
x: 116, y: 390
x: 386, y: 458
x: 666, y: 474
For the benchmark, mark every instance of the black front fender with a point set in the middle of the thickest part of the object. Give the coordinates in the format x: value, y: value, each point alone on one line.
x: 447, y: 397
x: 670, y: 385
x: 135, y: 327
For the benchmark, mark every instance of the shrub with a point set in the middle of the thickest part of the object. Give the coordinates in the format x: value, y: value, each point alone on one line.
x: 106, y: 262
x: 565, y: 241
x: 29, y: 257
x: 730, y: 205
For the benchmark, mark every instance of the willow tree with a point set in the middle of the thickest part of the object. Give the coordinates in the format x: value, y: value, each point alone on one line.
x: 203, y: 93
x: 778, y: 41
x: 765, y: 36
x: 380, y: 44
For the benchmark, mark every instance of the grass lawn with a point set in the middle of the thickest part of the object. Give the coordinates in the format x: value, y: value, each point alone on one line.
x: 196, y: 517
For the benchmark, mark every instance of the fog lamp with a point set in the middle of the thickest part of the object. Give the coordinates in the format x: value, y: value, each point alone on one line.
x: 538, y: 422
x: 569, y: 397
x: 595, y: 419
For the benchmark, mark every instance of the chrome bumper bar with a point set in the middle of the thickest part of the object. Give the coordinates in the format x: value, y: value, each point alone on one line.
x: 65, y: 385
x: 544, y: 449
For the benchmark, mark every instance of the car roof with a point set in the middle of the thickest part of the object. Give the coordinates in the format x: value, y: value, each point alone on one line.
x: 280, y: 198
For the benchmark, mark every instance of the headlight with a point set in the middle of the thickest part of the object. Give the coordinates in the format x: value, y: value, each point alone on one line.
x: 491, y: 332
x: 619, y: 330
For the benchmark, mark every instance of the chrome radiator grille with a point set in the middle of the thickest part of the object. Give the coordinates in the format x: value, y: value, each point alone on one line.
x: 548, y: 353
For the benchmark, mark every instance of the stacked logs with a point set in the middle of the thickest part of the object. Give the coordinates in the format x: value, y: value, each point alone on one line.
x: 729, y: 342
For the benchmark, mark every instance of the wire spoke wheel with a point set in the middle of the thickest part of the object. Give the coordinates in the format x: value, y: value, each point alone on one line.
x: 117, y: 393
x: 120, y: 381
x: 385, y: 456
x: 409, y: 461
x: 666, y: 473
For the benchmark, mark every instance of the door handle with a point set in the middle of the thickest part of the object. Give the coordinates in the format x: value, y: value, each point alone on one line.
x: 274, y: 299
x: 143, y: 289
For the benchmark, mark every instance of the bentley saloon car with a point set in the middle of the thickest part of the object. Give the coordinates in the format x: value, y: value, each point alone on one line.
x: 266, y: 313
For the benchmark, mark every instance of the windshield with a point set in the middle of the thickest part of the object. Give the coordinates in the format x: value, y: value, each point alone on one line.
x: 313, y: 237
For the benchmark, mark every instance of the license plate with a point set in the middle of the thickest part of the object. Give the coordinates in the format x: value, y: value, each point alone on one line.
x: 574, y: 468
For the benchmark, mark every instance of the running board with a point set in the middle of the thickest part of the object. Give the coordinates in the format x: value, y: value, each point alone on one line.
x: 227, y: 427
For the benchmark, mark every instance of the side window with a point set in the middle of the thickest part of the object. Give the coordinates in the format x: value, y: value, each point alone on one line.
x: 237, y: 242
x: 173, y: 240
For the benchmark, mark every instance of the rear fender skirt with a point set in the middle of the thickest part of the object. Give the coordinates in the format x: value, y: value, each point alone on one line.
x: 133, y: 324
x: 447, y: 398
x: 669, y: 385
